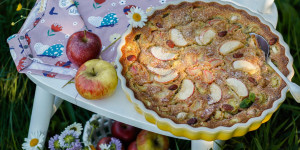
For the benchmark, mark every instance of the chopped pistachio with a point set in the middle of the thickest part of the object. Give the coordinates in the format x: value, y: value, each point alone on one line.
x: 275, y: 81
x: 262, y: 98
x: 234, y: 120
x: 218, y: 115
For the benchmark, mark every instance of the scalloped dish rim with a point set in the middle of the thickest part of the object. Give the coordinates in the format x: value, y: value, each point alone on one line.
x: 204, y: 133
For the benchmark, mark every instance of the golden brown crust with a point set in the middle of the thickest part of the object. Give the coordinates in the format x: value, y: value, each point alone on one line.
x: 203, y: 65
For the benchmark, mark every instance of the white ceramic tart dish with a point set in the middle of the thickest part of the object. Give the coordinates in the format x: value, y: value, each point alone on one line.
x: 201, y: 76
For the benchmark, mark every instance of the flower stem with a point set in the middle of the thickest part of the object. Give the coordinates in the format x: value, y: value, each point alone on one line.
x: 69, y: 82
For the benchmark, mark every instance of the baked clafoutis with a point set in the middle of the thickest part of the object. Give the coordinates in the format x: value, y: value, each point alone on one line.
x: 195, y: 63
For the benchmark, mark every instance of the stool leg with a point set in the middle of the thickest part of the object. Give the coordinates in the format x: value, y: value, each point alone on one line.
x: 206, y: 145
x: 41, y: 112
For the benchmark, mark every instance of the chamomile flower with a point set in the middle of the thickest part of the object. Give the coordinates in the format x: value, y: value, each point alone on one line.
x: 77, y: 127
x: 104, y: 146
x: 54, y: 143
x: 34, y: 142
x: 115, y: 144
x: 67, y: 138
x: 75, y: 146
x: 114, y: 37
x: 137, y: 17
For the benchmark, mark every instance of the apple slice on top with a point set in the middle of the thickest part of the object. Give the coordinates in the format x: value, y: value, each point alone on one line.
x: 159, y: 71
x: 215, y: 93
x: 186, y: 90
x: 237, y: 86
x: 177, y: 38
x: 167, y: 78
x: 230, y: 46
x: 206, y: 36
x: 245, y: 66
x: 159, y: 53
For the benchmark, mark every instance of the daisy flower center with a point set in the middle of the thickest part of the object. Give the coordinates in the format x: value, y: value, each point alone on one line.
x: 34, y: 142
x: 69, y: 139
x: 56, y: 144
x: 136, y: 17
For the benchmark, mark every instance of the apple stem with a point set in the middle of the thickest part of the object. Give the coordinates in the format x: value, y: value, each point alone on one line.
x: 94, y: 74
x: 84, y: 39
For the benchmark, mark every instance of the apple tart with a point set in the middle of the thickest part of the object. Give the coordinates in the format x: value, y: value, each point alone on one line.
x: 196, y: 64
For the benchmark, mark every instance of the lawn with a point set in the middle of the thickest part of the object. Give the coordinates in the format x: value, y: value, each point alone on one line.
x: 17, y: 92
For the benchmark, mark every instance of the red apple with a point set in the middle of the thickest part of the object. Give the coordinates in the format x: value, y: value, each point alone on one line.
x: 147, y: 140
x: 96, y: 79
x: 124, y: 132
x: 83, y: 46
x: 104, y: 140
x: 132, y: 146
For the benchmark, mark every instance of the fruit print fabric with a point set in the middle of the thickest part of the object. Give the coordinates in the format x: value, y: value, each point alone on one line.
x: 93, y: 17
x: 39, y: 47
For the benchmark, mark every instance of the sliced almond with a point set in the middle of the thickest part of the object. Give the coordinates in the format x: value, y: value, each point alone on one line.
x: 178, y: 38
x: 206, y: 36
x: 237, y: 86
x: 230, y: 46
x: 159, y: 71
x: 167, y: 78
x: 215, y: 93
x: 186, y: 90
x: 245, y: 66
x: 159, y: 53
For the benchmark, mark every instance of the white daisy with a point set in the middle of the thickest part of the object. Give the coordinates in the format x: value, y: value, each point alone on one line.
x: 77, y: 127
x: 34, y: 142
x: 137, y: 17
x: 122, y: 2
x: 104, y: 146
x: 162, y: 1
x: 114, y: 37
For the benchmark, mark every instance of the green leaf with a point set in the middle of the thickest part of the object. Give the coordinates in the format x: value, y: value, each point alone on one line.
x: 247, y: 102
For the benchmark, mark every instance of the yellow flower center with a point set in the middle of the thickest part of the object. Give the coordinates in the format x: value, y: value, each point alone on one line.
x: 19, y: 7
x: 137, y: 17
x: 34, y: 142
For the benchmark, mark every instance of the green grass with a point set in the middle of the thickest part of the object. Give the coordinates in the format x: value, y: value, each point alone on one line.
x: 17, y: 93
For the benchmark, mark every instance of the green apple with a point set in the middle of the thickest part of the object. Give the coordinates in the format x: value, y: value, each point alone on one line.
x: 96, y: 79
x: 147, y: 140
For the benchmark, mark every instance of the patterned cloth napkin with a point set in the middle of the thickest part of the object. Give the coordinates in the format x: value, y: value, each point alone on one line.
x: 40, y: 46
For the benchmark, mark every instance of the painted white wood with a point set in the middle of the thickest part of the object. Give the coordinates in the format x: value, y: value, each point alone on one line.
x: 117, y: 107
x: 41, y: 111
x: 206, y: 145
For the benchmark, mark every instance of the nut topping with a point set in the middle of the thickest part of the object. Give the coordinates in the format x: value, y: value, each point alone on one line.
x: 222, y: 33
x: 252, y: 80
x: 173, y: 87
x: 273, y: 41
x: 227, y: 107
x: 170, y: 43
x: 159, y: 25
x: 131, y: 58
x: 238, y: 55
x: 192, y: 121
